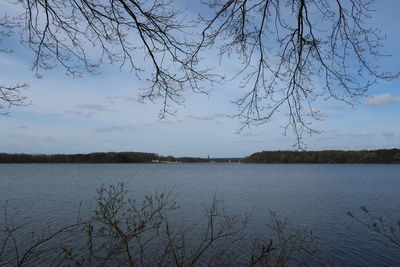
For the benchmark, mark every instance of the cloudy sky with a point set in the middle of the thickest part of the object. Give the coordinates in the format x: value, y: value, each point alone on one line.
x: 101, y: 112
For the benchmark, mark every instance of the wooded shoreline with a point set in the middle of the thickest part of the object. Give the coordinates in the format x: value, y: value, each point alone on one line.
x: 380, y: 156
x: 106, y: 157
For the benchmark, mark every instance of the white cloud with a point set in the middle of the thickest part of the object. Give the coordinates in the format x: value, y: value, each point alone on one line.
x: 381, y: 99
x: 207, y: 117
x: 113, y: 99
x: 362, y: 134
x: 335, y: 107
x: 200, y: 117
x: 94, y: 107
x: 388, y: 134
x: 113, y: 129
x: 80, y: 113
x: 221, y: 115
x: 164, y: 121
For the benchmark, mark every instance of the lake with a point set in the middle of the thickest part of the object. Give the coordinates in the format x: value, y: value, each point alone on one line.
x: 314, y: 196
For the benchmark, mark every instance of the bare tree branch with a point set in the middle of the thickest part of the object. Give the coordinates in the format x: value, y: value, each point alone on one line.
x: 10, y: 95
x: 147, y: 37
x: 294, y: 52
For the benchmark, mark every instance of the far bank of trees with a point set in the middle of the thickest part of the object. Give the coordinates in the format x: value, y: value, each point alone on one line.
x: 101, y: 157
x: 104, y: 157
x: 326, y: 156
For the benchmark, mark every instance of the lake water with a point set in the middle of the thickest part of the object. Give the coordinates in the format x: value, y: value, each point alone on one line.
x: 309, y: 195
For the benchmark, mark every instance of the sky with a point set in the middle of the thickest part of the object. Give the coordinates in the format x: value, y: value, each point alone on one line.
x: 101, y: 113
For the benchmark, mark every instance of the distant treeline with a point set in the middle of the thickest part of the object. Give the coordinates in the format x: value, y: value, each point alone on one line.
x: 102, y: 157
x: 326, y: 156
x: 109, y: 157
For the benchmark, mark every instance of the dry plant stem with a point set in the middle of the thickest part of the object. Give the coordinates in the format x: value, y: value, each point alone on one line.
x: 126, y: 232
x: 22, y: 256
x: 378, y: 225
x: 40, y: 242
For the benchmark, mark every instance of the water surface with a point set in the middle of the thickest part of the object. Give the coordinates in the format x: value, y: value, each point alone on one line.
x: 315, y: 196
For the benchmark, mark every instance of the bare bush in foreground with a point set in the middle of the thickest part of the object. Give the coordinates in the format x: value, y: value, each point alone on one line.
x: 378, y: 224
x: 125, y: 232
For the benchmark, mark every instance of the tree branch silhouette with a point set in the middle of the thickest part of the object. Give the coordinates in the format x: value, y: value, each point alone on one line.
x: 292, y: 52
